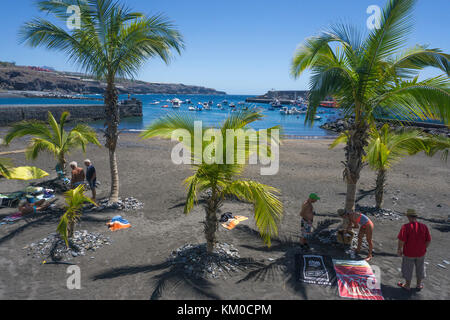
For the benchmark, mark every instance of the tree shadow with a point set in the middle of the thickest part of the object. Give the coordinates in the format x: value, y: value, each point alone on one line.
x: 176, y: 273
x: 364, y: 193
x: 284, y: 267
x: 43, y: 219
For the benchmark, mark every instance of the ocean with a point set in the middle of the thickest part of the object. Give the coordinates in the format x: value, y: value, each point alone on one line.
x: 292, y: 125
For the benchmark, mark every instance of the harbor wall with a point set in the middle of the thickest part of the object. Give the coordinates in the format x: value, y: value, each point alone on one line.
x: 14, y: 113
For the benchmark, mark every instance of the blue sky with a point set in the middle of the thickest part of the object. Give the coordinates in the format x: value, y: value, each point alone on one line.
x: 241, y: 47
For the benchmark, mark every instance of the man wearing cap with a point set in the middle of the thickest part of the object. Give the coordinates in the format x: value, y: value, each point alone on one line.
x: 413, y: 241
x: 307, y: 215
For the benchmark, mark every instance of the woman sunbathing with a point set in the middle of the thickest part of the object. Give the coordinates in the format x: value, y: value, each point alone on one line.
x: 27, y: 208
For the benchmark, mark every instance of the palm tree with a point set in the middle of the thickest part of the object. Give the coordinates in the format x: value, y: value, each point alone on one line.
x: 52, y: 137
x: 75, y: 199
x: 387, y: 147
x: 112, y: 41
x: 373, y: 73
x: 220, y: 176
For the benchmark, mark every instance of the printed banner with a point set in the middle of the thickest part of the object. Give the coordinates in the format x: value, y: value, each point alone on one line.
x: 315, y: 269
x: 356, y: 280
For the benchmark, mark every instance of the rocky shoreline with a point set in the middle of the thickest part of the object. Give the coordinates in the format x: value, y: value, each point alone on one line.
x: 341, y: 125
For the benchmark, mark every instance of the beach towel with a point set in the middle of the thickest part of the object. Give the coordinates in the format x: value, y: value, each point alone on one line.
x: 118, y: 223
x: 12, y: 218
x: 315, y: 269
x: 356, y: 280
x: 232, y: 223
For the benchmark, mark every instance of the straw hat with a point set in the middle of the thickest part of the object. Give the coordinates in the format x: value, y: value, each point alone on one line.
x: 411, y: 213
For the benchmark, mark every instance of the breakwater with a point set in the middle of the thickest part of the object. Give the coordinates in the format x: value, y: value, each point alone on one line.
x: 14, y: 113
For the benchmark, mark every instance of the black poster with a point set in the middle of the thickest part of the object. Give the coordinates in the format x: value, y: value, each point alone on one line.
x: 315, y: 269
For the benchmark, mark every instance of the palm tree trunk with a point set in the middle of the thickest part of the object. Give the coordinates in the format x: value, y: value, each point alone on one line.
x: 70, y: 229
x: 112, y: 134
x: 62, y: 162
x: 379, y: 189
x: 211, y: 223
x: 354, y: 152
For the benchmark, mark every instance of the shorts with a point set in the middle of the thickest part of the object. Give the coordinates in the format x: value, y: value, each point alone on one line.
x: 92, y: 184
x: 305, y: 229
x: 408, y: 267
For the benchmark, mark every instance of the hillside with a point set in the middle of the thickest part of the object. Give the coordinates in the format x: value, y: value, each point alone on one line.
x: 20, y: 78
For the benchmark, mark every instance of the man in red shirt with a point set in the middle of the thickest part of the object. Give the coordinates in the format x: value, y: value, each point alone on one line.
x: 413, y: 241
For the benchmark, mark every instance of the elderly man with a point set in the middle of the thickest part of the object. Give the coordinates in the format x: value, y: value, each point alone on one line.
x: 307, y: 217
x: 91, y: 177
x: 413, y: 241
x: 77, y: 175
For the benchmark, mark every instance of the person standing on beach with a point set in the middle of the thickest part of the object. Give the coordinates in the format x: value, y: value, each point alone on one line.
x: 91, y: 177
x: 307, y: 216
x: 77, y: 175
x: 365, y: 225
x: 413, y: 241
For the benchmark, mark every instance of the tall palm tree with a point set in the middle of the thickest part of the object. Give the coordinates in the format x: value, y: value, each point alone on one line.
x: 373, y: 73
x: 52, y: 137
x: 75, y: 199
x: 112, y: 41
x: 387, y: 147
x: 220, y: 176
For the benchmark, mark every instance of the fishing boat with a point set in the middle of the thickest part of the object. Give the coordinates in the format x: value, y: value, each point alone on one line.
x: 284, y: 110
x: 276, y: 103
x: 176, y: 103
x: 318, y: 118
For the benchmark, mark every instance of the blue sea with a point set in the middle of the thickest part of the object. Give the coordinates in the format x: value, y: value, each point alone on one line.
x: 292, y: 125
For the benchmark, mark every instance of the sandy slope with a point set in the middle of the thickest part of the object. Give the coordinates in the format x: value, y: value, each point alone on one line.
x: 131, y: 266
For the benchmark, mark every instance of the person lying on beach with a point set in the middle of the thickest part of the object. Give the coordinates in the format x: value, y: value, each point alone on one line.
x: 365, y: 225
x: 307, y: 217
x: 77, y: 175
x: 28, y: 208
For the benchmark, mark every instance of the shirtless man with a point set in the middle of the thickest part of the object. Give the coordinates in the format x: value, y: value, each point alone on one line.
x: 307, y: 215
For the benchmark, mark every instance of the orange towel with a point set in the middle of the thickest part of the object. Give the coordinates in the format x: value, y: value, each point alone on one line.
x: 232, y: 223
x: 116, y: 225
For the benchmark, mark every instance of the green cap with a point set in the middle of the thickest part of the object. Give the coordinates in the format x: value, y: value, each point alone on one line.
x: 314, y: 196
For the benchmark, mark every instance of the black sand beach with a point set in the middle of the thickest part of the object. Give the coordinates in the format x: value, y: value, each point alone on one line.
x: 132, y: 265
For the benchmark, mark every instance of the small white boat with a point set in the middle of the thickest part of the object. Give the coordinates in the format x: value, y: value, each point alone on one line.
x: 317, y: 118
x: 219, y: 106
x: 206, y: 106
x: 176, y: 103
x: 154, y: 103
x: 192, y: 108
x: 284, y: 110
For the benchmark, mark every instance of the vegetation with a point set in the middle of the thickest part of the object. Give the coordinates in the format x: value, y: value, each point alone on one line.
x: 52, y: 137
x: 387, y: 147
x: 366, y: 73
x: 112, y: 41
x: 220, y: 177
x: 75, y: 199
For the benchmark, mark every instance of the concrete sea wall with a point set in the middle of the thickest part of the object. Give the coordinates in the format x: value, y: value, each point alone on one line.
x: 15, y: 113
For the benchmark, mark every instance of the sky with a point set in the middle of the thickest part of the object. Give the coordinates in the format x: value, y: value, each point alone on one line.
x: 240, y: 47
